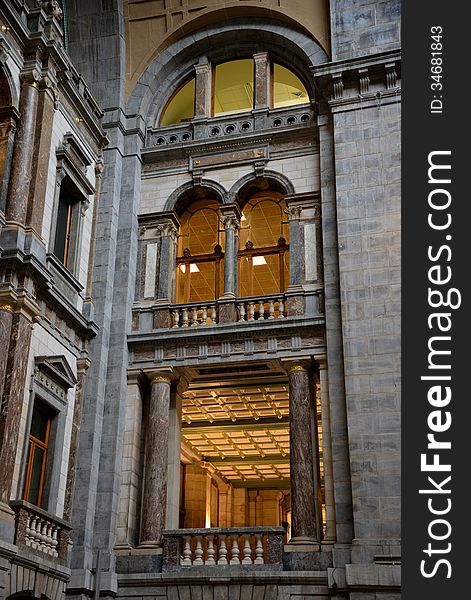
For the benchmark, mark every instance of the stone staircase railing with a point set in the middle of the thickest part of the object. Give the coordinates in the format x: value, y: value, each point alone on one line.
x: 245, y: 546
x: 37, y: 529
x: 265, y: 308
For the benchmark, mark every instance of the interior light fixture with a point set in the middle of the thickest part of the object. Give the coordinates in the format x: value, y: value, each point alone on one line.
x: 258, y: 261
x: 193, y: 269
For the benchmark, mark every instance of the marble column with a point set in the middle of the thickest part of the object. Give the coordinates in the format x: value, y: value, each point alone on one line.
x: 203, y: 91
x: 154, y: 498
x: 8, y: 120
x: 231, y: 216
x: 168, y: 256
x: 262, y: 81
x: 174, y: 456
x: 13, y: 396
x: 330, y: 536
x: 82, y: 368
x: 20, y: 176
x: 303, y: 460
x: 41, y: 155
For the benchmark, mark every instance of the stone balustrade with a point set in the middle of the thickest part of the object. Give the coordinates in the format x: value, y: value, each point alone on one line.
x: 261, y: 309
x: 227, y: 126
x: 243, y: 546
x: 192, y: 315
x: 37, y: 529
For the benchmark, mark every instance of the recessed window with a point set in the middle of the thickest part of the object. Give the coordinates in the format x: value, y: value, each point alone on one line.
x: 68, y: 214
x: 288, y: 89
x: 37, y: 455
x: 234, y: 87
x: 264, y: 249
x: 200, y: 263
x: 181, y: 106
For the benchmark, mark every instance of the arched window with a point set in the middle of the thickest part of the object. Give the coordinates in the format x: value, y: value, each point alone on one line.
x: 200, y: 262
x: 181, y: 106
x: 264, y: 246
x: 288, y: 89
x: 233, y: 84
x: 233, y: 87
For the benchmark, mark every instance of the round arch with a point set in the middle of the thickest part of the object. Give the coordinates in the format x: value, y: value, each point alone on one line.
x: 250, y: 184
x: 187, y: 193
x: 229, y: 40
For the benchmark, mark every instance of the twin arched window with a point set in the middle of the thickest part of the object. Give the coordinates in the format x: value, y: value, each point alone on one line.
x: 263, y: 250
x: 233, y: 92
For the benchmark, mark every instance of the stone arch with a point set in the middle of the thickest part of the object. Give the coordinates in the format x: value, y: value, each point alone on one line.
x: 187, y: 193
x: 251, y: 184
x: 9, y: 94
x: 224, y: 41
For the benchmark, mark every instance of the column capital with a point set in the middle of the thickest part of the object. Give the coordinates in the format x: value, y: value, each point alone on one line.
x: 261, y: 56
x: 300, y: 365
x: 30, y: 77
x: 168, y: 229
x: 230, y: 222
x: 160, y: 376
x: 294, y: 213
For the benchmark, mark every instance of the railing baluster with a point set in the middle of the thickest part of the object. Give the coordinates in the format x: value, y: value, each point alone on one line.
x: 247, y: 550
x: 210, y: 559
x: 186, y: 320
x: 204, y: 316
x: 186, y: 561
x: 222, y: 550
x: 251, y: 311
x: 214, y: 315
x: 235, y: 550
x: 199, y: 551
x: 176, y: 319
x: 241, y: 308
x: 194, y: 315
x: 259, y: 550
x: 271, y: 309
x: 261, y: 310
x: 281, y: 309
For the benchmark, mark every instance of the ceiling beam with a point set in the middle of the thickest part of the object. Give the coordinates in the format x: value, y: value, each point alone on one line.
x: 273, y: 484
x: 270, y: 459
x: 228, y: 426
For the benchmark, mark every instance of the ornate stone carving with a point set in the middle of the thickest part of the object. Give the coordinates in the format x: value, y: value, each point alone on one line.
x: 337, y: 86
x: 168, y: 230
x: 391, y: 76
x: 364, y: 81
x: 30, y: 77
x: 294, y: 213
x: 51, y: 7
x: 230, y: 222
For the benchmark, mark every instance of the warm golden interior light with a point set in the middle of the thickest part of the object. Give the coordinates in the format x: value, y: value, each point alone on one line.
x: 288, y: 88
x: 193, y: 269
x: 234, y: 87
x: 259, y: 261
x: 181, y: 107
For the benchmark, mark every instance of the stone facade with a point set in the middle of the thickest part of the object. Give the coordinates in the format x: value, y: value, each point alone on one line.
x: 97, y: 341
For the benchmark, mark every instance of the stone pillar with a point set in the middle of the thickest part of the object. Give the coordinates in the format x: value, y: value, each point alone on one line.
x: 231, y: 216
x: 41, y: 155
x: 8, y: 120
x: 82, y: 368
x: 20, y: 177
x: 174, y: 457
x: 12, y: 402
x: 168, y: 256
x: 295, y: 257
x: 154, y: 498
x: 126, y: 532
x: 303, y: 453
x: 203, y: 91
x: 330, y: 536
x: 262, y: 81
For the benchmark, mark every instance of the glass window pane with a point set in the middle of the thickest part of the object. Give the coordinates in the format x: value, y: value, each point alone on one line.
x: 37, y: 456
x: 203, y: 232
x: 39, y: 425
x: 288, y: 88
x: 234, y: 87
x: 196, y: 282
x: 181, y: 107
x: 266, y: 277
x: 62, y: 229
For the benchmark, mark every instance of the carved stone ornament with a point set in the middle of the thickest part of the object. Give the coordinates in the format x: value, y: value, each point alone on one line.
x: 51, y: 7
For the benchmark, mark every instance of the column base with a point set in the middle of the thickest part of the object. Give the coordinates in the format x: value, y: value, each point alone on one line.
x: 7, y: 523
x: 302, y: 544
x: 149, y: 547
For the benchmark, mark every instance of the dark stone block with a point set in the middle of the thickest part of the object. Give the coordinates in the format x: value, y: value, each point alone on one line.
x: 148, y: 563
x: 307, y: 561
